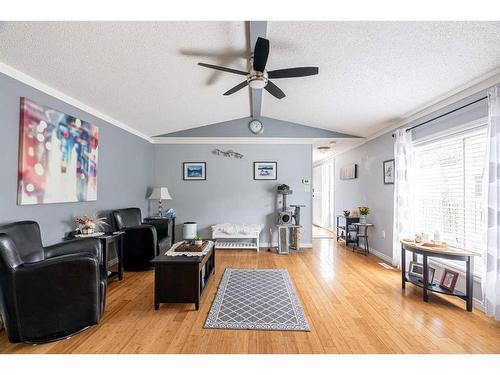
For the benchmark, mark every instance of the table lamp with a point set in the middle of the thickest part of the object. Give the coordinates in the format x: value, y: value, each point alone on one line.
x: 160, y: 193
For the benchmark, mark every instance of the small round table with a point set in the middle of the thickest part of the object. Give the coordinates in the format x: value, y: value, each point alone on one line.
x: 362, y: 232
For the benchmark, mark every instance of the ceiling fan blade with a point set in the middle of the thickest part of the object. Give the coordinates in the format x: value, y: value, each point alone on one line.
x: 260, y: 54
x: 224, y: 69
x: 236, y: 88
x: 274, y: 90
x: 294, y: 72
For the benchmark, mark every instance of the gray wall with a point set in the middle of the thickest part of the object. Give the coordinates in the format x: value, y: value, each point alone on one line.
x: 230, y: 194
x: 124, y: 170
x: 273, y: 128
x: 369, y: 189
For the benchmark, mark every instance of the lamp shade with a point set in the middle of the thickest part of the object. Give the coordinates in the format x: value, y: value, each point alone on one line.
x: 160, y: 193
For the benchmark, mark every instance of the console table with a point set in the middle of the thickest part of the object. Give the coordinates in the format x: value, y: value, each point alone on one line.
x: 182, y: 278
x: 436, y: 252
x: 344, y: 227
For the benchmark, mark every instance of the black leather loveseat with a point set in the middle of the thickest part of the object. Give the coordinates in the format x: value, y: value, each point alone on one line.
x: 48, y: 293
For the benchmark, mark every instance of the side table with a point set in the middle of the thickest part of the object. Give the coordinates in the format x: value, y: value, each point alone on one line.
x: 167, y: 226
x: 362, y: 232
x: 109, y: 241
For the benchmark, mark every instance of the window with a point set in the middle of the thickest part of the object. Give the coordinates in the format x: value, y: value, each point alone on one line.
x: 448, y: 189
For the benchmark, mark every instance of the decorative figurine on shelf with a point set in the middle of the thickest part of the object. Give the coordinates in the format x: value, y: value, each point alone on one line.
x: 346, y: 213
x: 170, y: 214
x: 363, y: 211
x: 88, y: 224
x: 418, y: 238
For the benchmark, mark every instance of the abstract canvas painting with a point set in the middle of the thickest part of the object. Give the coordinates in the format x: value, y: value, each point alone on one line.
x: 265, y: 170
x: 194, y: 171
x: 57, y: 156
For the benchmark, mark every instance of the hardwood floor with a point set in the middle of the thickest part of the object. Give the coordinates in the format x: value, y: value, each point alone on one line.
x: 353, y: 305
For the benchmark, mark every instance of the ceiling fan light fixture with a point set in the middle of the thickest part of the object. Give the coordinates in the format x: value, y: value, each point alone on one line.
x: 257, y: 80
x: 323, y: 149
x: 257, y: 83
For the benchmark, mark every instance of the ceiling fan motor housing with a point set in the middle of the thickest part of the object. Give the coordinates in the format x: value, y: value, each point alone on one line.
x: 257, y: 80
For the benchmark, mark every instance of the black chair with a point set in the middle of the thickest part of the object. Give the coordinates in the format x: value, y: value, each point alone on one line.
x: 142, y: 241
x: 48, y: 293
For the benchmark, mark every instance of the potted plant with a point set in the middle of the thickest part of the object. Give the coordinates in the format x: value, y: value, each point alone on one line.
x: 198, y: 241
x: 346, y: 213
x: 363, y: 211
x: 89, y: 223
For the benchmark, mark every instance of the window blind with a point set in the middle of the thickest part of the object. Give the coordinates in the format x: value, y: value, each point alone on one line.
x: 448, y: 188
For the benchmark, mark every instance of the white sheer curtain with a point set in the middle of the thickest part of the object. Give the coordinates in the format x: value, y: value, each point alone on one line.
x: 491, y: 276
x: 403, y: 217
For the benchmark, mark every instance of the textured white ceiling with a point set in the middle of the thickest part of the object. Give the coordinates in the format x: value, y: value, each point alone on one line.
x: 145, y: 74
x: 138, y: 73
x: 372, y: 73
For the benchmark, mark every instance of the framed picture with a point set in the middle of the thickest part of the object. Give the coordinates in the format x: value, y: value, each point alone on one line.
x: 389, y: 172
x: 449, y: 280
x: 265, y: 170
x: 194, y: 170
x: 57, y: 156
x: 349, y: 172
x: 416, y: 269
x: 430, y: 277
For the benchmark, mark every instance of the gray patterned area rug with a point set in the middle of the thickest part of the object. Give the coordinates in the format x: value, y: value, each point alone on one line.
x: 261, y: 299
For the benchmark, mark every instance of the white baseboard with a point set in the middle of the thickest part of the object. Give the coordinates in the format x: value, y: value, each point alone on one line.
x: 384, y: 257
x: 302, y: 245
x: 478, y: 304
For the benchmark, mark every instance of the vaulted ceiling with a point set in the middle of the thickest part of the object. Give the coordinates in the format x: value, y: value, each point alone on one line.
x: 145, y: 74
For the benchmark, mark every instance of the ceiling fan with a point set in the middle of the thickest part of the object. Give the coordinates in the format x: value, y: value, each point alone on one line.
x: 258, y: 77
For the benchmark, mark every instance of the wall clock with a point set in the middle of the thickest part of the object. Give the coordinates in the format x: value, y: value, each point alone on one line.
x: 256, y: 127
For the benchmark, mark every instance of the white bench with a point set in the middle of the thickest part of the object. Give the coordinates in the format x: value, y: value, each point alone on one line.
x: 236, y: 236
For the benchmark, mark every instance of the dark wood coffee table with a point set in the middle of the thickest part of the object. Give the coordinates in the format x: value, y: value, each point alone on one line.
x: 182, y: 279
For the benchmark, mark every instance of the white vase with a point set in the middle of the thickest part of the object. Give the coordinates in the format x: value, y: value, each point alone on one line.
x: 362, y: 219
x: 87, y: 228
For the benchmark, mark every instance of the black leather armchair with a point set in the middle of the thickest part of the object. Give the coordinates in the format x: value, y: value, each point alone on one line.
x: 142, y: 241
x: 47, y: 294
